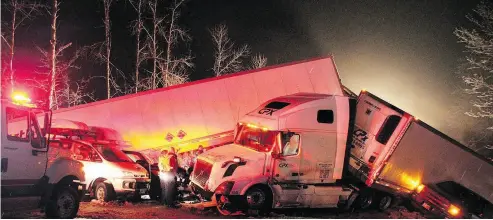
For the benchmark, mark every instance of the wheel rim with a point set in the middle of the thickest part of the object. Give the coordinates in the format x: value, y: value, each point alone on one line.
x: 65, y: 204
x: 256, y: 198
x: 351, y: 200
x: 100, y: 193
x: 222, y: 209
x: 366, y: 202
x: 385, y: 202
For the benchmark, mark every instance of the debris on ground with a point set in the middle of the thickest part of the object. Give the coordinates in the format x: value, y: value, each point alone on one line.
x: 149, y: 209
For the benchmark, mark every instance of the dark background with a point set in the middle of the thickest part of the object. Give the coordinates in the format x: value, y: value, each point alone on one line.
x: 403, y: 51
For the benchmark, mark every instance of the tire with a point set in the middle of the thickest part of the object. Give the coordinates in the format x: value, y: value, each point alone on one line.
x: 365, y: 199
x: 104, y: 192
x: 259, y: 199
x: 385, y: 202
x: 64, y: 204
x: 350, y: 201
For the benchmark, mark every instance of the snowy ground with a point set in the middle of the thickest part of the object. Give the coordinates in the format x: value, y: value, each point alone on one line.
x: 144, y: 210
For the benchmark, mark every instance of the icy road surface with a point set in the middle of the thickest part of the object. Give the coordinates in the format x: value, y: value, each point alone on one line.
x: 152, y: 210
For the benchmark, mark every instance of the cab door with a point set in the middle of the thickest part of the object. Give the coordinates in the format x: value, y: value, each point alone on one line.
x: 24, y: 154
x: 287, y: 167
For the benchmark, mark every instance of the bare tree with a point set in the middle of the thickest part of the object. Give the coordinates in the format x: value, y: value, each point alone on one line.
x: 258, y: 61
x: 153, y: 40
x: 478, y: 74
x: 58, y: 83
x: 107, y: 34
x: 174, y: 67
x: 228, y: 59
x: 53, y: 55
x: 20, y: 11
x: 137, y: 27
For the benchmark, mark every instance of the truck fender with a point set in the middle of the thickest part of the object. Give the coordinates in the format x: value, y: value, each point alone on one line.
x: 242, y: 185
x: 63, y: 167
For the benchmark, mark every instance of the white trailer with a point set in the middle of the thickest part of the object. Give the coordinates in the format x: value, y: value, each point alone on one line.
x: 202, y: 112
x: 393, y: 153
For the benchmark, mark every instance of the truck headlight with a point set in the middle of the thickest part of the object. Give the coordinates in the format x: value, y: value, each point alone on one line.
x: 224, y: 188
x: 166, y: 176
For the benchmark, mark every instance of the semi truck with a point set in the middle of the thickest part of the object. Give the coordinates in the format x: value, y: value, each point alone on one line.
x: 394, y: 154
x: 289, y: 152
x: 29, y: 180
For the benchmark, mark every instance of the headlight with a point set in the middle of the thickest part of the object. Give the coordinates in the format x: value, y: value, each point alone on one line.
x: 166, y: 176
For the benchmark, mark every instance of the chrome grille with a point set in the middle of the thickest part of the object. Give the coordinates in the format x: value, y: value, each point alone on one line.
x: 201, y: 172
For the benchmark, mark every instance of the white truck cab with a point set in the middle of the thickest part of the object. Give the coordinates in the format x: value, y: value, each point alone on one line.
x: 28, y: 180
x: 289, y: 152
x: 109, y: 172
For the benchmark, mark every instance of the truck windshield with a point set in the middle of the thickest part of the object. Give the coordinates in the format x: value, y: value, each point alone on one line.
x: 112, y: 154
x: 255, y: 138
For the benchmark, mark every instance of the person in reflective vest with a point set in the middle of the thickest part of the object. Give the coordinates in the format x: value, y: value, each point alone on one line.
x: 168, y: 165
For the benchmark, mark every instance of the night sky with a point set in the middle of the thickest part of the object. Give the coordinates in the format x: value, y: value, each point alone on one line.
x: 403, y: 51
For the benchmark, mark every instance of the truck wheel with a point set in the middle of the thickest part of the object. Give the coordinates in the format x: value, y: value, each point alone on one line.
x: 365, y: 199
x: 104, y: 192
x: 64, y: 204
x: 385, y: 202
x: 259, y: 199
x: 350, y: 201
x: 222, y: 207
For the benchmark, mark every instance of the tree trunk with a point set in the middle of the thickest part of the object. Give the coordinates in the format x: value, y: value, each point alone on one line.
x: 137, y: 56
x: 107, y: 4
x: 12, y: 43
x: 53, y: 42
x: 168, y: 48
x: 154, y: 45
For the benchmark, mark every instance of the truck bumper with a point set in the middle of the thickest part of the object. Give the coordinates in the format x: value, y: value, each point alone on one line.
x: 205, y: 194
x: 131, y: 186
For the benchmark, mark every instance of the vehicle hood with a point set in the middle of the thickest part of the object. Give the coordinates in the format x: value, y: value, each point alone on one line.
x: 254, y: 163
x: 228, y: 152
x: 131, y: 167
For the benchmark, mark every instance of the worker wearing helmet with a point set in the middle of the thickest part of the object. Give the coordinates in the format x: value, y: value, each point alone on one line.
x: 168, y: 165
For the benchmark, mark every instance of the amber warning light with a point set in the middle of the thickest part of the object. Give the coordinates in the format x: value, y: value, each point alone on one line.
x: 21, y: 98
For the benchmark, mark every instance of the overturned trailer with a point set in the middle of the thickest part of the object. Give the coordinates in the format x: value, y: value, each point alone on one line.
x: 203, y: 112
x: 395, y: 154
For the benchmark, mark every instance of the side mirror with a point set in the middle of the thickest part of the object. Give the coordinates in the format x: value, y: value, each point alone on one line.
x: 276, y: 155
x: 38, y: 142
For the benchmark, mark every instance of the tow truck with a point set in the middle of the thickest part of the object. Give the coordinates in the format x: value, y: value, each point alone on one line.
x: 29, y: 180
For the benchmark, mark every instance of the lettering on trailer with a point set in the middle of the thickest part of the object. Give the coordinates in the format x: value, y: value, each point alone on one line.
x: 324, y: 170
x: 359, y: 138
x: 267, y: 111
x: 373, y: 105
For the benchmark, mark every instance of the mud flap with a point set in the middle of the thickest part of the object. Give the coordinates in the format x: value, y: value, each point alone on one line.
x: 47, y: 191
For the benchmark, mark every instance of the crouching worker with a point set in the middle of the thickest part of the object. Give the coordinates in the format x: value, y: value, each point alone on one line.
x: 168, y: 165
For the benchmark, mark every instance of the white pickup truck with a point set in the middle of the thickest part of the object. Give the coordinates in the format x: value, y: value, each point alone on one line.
x: 28, y: 180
